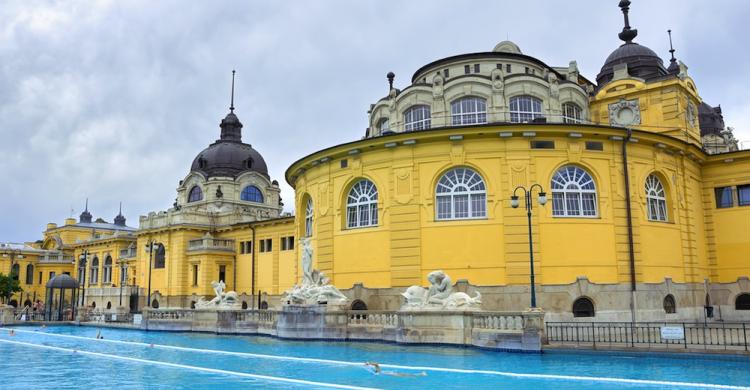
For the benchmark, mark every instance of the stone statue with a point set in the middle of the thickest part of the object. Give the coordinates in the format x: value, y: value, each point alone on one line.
x: 440, y: 295
x: 315, y: 287
x: 223, y: 300
x: 219, y: 193
x: 437, y: 85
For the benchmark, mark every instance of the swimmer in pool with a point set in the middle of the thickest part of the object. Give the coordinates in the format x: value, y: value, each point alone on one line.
x: 99, y: 335
x: 377, y: 371
x: 11, y: 332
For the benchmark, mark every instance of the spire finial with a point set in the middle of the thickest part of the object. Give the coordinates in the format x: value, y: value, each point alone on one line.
x: 671, y: 49
x: 87, y: 205
x: 120, y: 212
x: 390, y: 77
x: 627, y: 34
x: 231, y: 105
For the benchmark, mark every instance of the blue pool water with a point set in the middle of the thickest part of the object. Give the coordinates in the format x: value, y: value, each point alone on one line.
x: 69, y: 356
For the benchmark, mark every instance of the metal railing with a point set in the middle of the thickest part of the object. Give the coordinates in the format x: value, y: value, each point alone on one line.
x: 716, y: 335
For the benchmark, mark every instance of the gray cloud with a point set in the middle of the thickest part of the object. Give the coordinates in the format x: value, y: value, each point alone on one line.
x: 112, y: 100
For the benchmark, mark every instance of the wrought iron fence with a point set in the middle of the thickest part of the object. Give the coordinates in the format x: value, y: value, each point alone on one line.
x: 716, y: 335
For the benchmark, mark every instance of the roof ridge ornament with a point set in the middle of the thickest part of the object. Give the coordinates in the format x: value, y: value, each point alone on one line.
x: 627, y: 34
x: 231, y: 104
x: 673, y: 66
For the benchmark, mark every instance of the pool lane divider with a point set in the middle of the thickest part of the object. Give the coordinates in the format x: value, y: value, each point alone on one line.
x: 187, y: 367
x: 401, y: 367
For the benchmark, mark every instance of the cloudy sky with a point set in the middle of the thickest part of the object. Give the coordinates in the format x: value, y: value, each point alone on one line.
x: 112, y: 100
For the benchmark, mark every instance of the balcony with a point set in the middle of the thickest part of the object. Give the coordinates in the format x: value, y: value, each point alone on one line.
x: 127, y: 253
x: 56, y: 258
x: 208, y: 243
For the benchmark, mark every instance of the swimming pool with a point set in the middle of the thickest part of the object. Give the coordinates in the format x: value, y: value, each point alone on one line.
x: 70, y: 356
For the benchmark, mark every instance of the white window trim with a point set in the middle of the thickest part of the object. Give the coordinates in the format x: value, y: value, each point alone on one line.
x: 411, y: 124
x: 571, y: 119
x: 518, y: 112
x: 309, y: 218
x: 472, y: 117
x: 580, y: 191
x: 362, y: 188
x: 653, y: 187
x: 463, y: 182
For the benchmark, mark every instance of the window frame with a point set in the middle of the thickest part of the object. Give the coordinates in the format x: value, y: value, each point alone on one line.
x: 581, y: 191
x: 474, y: 112
x: 740, y: 201
x: 520, y: 114
x: 474, y: 192
x: 726, y: 191
x: 670, y: 304
x: 309, y: 217
x: 29, y: 274
x: 248, y: 195
x: 653, y: 188
x: 424, y: 121
x: 94, y: 276
x: 107, y: 270
x: 355, y: 205
x: 383, y: 125
x: 580, y: 301
x: 194, y: 196
x: 577, y: 116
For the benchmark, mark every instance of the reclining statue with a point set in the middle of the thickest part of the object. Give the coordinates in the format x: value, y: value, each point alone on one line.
x: 439, y: 295
x: 222, y: 300
x: 315, y: 287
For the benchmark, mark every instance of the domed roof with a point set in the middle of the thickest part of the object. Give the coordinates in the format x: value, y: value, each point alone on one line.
x: 62, y: 281
x: 229, y: 156
x: 642, y: 63
x: 507, y: 47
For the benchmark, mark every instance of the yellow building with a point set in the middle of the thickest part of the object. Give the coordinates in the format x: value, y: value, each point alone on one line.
x: 644, y: 217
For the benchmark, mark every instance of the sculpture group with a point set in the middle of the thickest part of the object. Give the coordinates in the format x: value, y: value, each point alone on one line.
x: 223, y: 300
x: 439, y: 295
x: 315, y: 287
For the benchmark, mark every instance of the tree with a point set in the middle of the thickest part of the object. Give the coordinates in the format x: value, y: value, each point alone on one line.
x: 8, y: 286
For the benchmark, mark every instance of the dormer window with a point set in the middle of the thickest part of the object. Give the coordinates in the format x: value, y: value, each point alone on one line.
x: 202, y: 162
x: 384, y: 125
x: 252, y: 194
x: 249, y: 163
x: 195, y: 194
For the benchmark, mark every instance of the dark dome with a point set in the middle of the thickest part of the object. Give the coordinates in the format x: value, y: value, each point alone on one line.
x: 710, y: 119
x: 642, y: 63
x: 229, y: 156
x: 62, y: 281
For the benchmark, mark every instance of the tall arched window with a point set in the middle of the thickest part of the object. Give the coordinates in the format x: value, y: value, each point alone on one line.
x: 573, y: 193
x: 252, y: 194
x: 525, y: 109
x: 196, y: 194
x: 94, y: 278
x: 583, y: 307
x: 15, y: 271
x: 29, y: 274
x: 469, y: 110
x: 309, y: 217
x: 107, y: 271
x: 742, y: 302
x: 362, y: 205
x: 460, y: 194
x: 160, y: 258
x: 571, y: 113
x: 417, y: 118
x: 81, y: 270
x: 656, y: 199
x: 670, y: 306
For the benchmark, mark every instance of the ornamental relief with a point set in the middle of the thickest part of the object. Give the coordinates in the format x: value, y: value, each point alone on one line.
x: 625, y: 113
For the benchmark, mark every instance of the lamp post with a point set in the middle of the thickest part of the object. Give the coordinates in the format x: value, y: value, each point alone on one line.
x: 83, y: 264
x: 514, y: 202
x: 150, y: 256
x: 123, y: 277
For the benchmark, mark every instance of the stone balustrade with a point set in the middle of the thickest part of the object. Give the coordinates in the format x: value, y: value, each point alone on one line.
x: 516, y: 331
x: 56, y: 258
x: 208, y: 243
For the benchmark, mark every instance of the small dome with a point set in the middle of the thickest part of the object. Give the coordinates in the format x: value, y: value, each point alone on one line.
x: 62, y: 281
x: 642, y: 63
x: 226, y: 158
x: 507, y: 47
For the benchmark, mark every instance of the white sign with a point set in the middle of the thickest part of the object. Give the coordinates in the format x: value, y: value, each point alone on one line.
x: 114, y: 317
x: 672, y: 333
x: 137, y: 318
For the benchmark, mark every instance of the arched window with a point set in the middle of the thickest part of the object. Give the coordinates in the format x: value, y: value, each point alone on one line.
x: 461, y: 194
x: 15, y: 271
x: 29, y: 274
x: 417, y: 118
x: 107, y: 271
x: 264, y: 305
x: 358, y: 304
x: 81, y: 270
x: 573, y: 193
x: 252, y: 194
x: 469, y: 110
x: 159, y: 256
x: 742, y: 302
x: 383, y: 125
x: 309, y: 218
x: 525, y: 109
x: 109, y: 305
x: 571, y: 113
x: 670, y: 307
x: 155, y: 304
x: 656, y: 199
x: 196, y: 194
x: 244, y: 305
x: 583, y: 307
x: 94, y: 277
x: 362, y: 205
